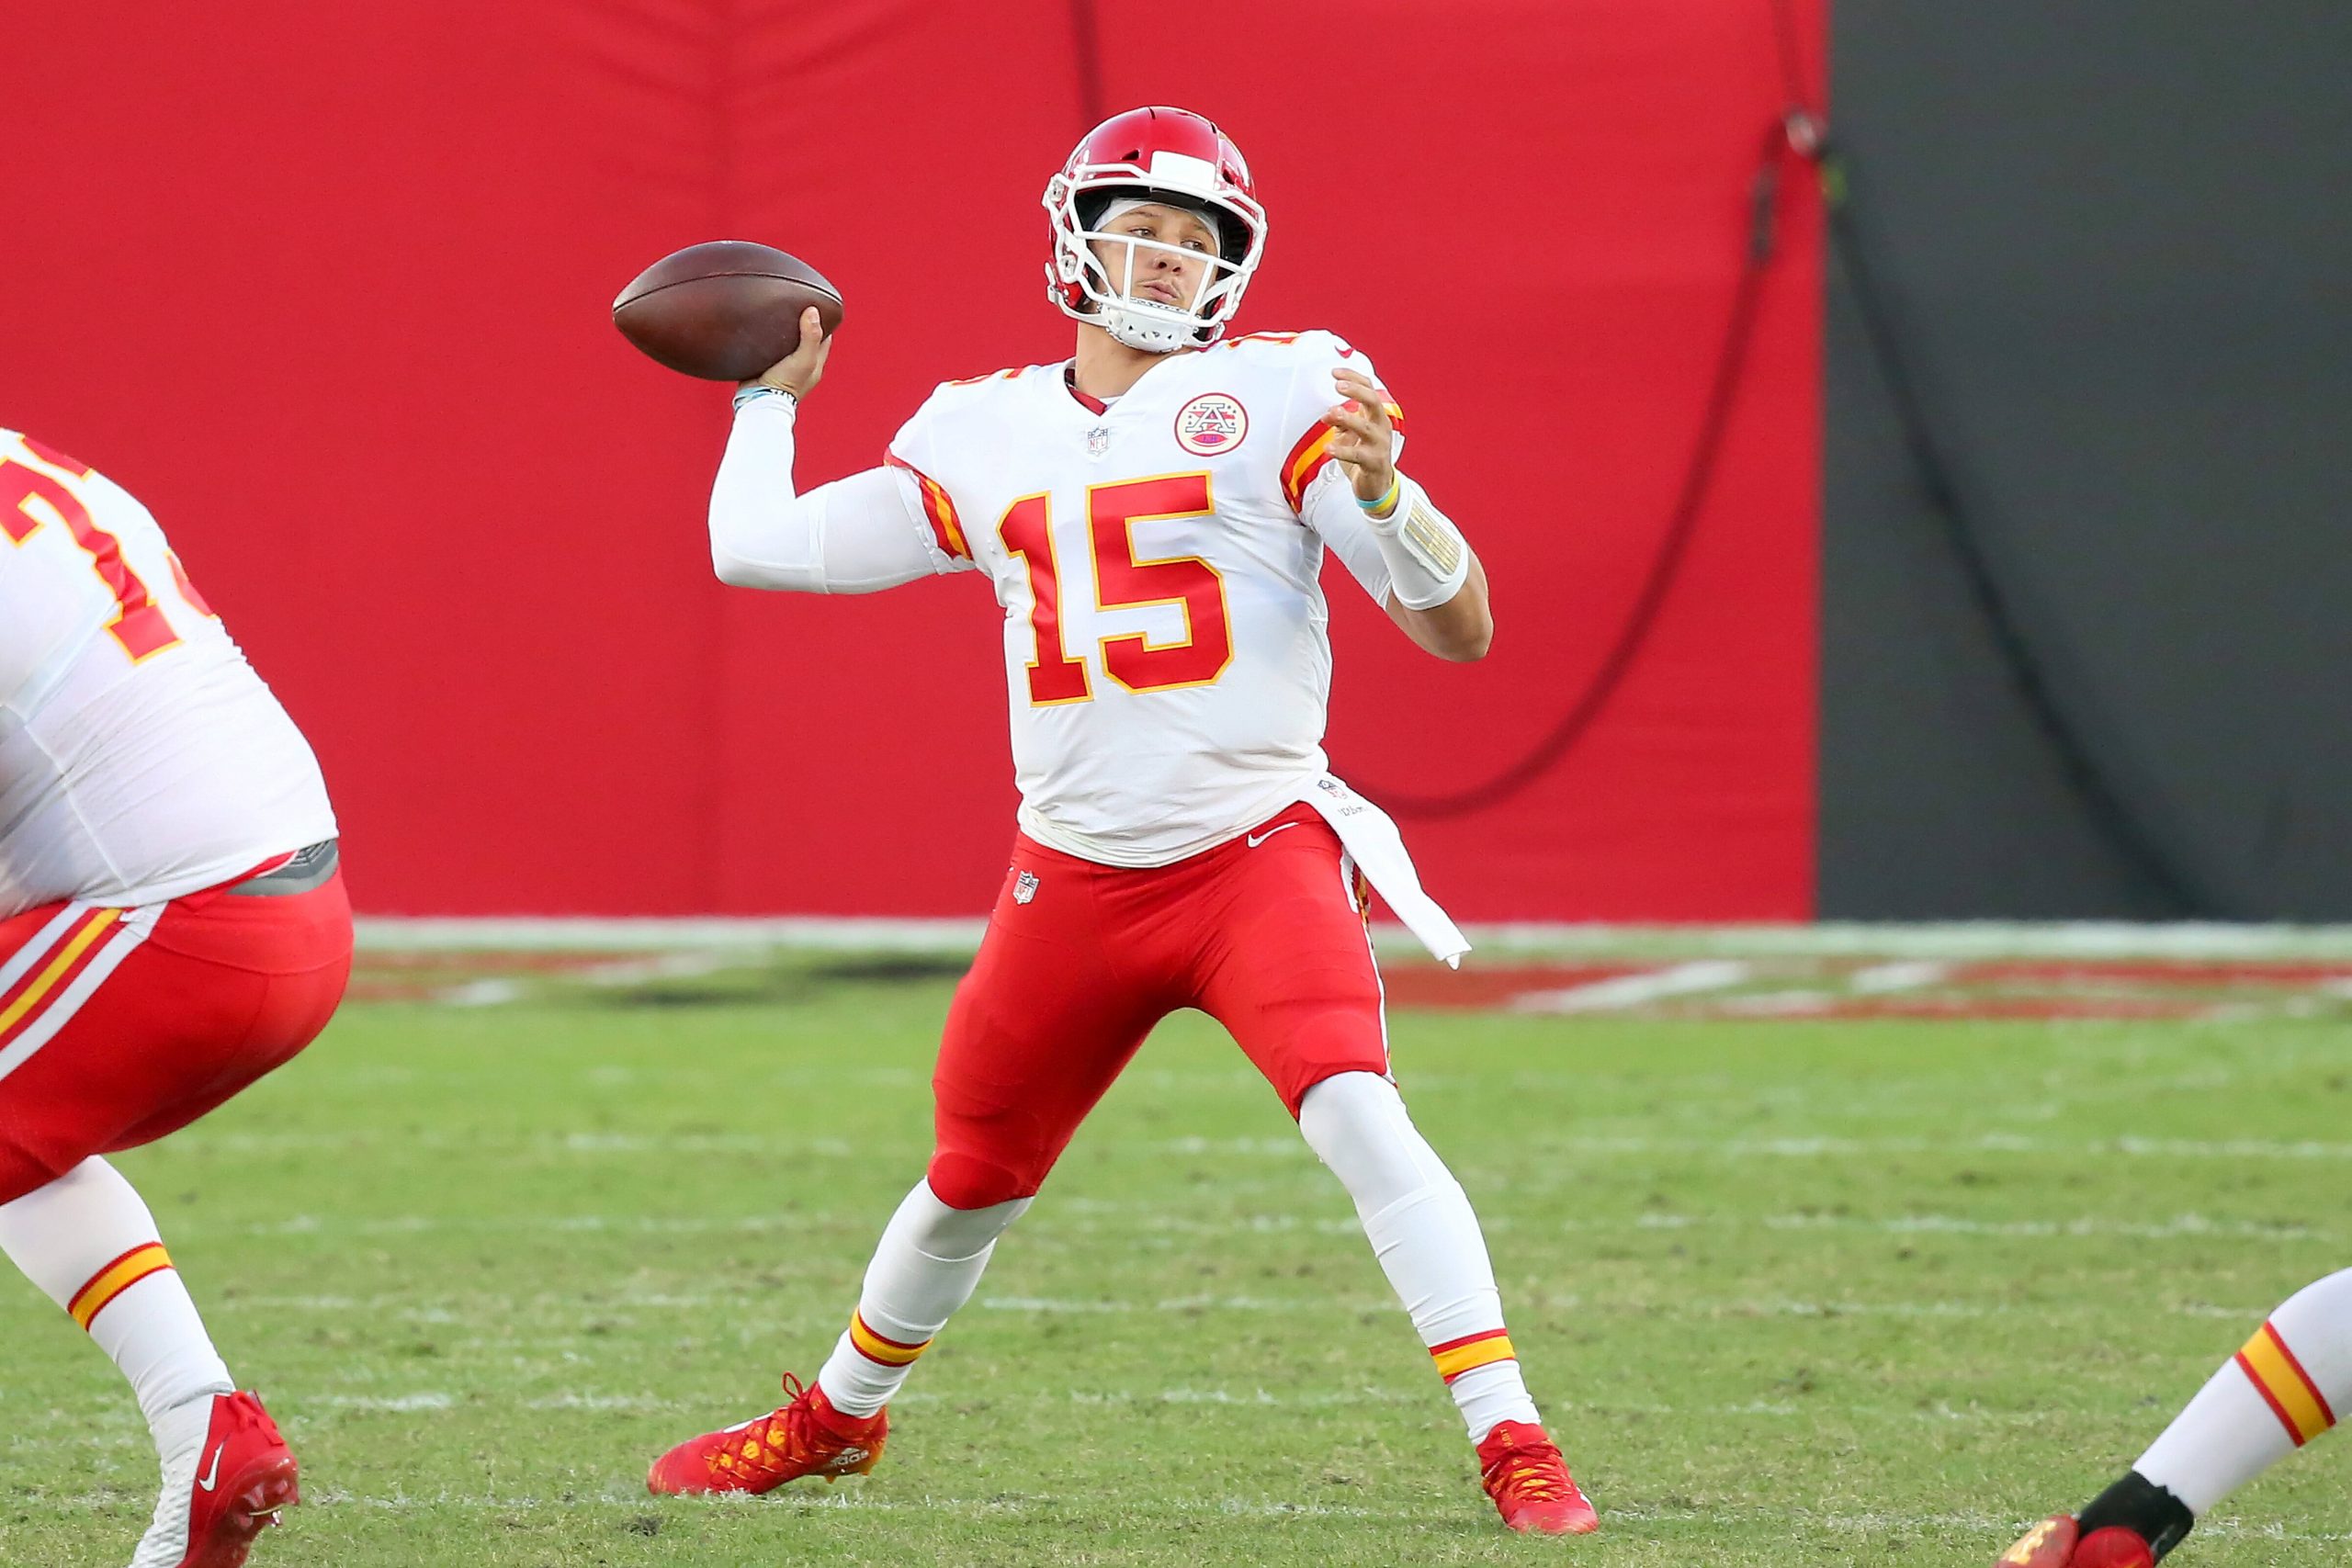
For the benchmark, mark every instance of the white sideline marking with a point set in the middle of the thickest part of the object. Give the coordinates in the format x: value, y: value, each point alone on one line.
x: 1634, y: 990
x: 1954, y: 939
x: 403, y: 933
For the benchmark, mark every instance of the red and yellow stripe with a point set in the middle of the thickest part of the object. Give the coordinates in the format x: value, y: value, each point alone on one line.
x: 880, y: 1348
x: 1472, y: 1351
x: 1314, y: 450
x: 946, y: 527
x: 147, y: 1258
x: 54, y: 970
x: 2285, y: 1386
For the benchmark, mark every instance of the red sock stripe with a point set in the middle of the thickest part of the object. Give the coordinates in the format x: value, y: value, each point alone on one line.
x: 880, y: 1348
x: 103, y: 1287
x: 2285, y: 1386
x: 1472, y: 1351
x: 2287, y: 1352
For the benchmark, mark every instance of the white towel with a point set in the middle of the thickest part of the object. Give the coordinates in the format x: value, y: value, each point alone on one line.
x: 1379, y: 849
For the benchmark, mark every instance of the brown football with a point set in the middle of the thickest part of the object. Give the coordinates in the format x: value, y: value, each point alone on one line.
x: 725, y: 309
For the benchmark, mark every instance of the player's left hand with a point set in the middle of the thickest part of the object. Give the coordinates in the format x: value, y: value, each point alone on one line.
x: 1365, y: 442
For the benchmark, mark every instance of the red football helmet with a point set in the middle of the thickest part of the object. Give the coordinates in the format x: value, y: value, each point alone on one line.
x: 1161, y: 154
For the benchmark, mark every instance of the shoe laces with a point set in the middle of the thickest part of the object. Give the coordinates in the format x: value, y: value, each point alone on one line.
x: 766, y: 1446
x: 1535, y: 1473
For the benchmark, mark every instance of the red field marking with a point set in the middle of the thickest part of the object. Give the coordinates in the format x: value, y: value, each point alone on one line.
x: 2004, y: 989
x: 1983, y: 1006
x: 1428, y: 986
x: 2202, y: 973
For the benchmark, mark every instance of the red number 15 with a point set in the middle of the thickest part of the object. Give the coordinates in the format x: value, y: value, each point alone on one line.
x: 1124, y: 581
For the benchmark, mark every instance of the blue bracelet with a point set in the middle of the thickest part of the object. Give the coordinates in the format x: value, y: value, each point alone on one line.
x: 1388, y: 500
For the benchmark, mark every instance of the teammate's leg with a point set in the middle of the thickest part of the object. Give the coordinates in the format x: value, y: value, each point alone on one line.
x: 118, y: 1026
x: 1291, y: 976
x: 2276, y: 1394
x: 90, y: 1244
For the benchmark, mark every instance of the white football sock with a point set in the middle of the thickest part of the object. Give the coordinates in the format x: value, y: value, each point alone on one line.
x: 927, y: 1264
x: 87, y: 1240
x: 2287, y: 1386
x: 1426, y: 1236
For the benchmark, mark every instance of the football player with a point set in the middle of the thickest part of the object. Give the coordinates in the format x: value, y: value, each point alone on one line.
x: 1153, y: 514
x: 172, y: 927
x: 2266, y: 1402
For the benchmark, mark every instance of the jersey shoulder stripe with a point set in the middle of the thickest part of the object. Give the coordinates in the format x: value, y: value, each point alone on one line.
x: 938, y: 509
x: 1312, y: 454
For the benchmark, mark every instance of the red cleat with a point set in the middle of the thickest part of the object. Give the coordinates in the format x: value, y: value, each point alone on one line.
x: 807, y: 1437
x: 221, y: 1493
x: 1530, y: 1483
x: 2055, y: 1543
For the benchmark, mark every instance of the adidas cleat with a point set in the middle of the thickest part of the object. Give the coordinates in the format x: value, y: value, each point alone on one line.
x: 805, y: 1437
x: 1523, y: 1472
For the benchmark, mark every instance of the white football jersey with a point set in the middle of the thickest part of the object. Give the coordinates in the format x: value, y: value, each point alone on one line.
x: 141, y: 757
x: 1159, y: 561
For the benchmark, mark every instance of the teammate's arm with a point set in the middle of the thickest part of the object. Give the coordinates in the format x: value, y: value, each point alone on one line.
x: 853, y: 536
x: 1436, y: 586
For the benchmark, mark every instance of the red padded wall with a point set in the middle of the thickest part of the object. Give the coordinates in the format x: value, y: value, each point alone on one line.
x: 327, y: 287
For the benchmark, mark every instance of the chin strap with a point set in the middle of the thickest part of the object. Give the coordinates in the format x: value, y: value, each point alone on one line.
x: 1146, y: 332
x: 1429, y: 560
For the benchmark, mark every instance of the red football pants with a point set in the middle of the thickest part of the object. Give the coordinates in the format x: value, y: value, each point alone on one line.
x: 118, y: 1026
x: 1265, y: 934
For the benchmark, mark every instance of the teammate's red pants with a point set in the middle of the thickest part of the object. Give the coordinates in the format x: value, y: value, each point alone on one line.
x: 118, y: 1026
x: 1265, y: 934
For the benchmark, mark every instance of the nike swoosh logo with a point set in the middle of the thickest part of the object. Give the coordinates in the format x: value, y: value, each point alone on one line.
x: 211, y: 1478
x: 1257, y: 838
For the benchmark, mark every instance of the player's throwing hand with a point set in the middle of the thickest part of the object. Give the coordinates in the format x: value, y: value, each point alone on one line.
x: 1365, y: 445
x: 799, y: 371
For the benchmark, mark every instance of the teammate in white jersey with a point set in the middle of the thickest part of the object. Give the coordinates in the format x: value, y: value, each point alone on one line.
x: 172, y: 927
x: 1153, y: 514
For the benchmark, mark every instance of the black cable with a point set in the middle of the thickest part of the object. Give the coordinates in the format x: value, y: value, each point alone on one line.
x: 1730, y: 360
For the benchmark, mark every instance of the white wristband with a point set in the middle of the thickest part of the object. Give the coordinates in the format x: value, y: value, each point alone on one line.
x: 1428, y: 559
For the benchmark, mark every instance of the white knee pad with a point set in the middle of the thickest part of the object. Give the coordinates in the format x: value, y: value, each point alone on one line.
x: 1356, y: 1123
x: 952, y: 1235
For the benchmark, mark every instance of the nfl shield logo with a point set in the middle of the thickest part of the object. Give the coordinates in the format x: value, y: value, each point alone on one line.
x: 1025, y: 887
x: 1098, y: 441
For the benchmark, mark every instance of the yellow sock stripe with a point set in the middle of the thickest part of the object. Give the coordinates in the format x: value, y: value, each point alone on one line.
x: 88, y: 931
x: 115, y: 1277
x: 1456, y: 1356
x: 874, y: 1348
x: 2281, y: 1381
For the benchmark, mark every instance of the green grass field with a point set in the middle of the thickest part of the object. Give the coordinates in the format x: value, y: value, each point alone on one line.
x: 1789, y: 1292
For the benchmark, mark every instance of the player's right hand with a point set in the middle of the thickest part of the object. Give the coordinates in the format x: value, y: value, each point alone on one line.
x: 799, y: 371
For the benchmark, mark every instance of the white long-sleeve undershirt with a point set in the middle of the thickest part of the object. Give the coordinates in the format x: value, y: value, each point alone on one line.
x: 858, y: 535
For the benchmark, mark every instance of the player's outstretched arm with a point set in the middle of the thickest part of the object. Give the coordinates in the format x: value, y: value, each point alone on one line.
x: 1438, y: 587
x: 854, y: 535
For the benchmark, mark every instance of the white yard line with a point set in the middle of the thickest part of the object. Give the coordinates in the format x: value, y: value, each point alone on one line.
x: 628, y: 1495
x: 1906, y: 974
x: 1637, y: 990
